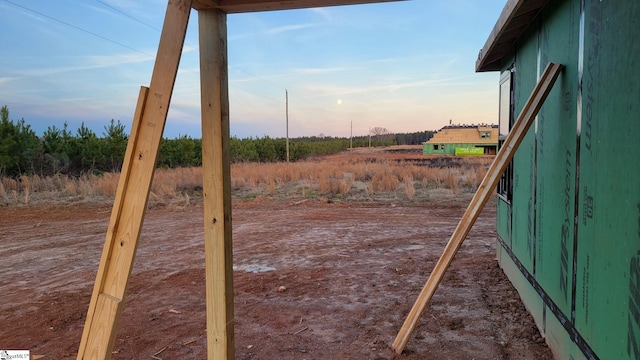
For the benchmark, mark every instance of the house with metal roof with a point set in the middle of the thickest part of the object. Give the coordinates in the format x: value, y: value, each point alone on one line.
x: 568, y: 206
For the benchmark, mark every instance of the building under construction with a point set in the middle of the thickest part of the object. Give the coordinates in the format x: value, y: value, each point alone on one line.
x: 463, y: 140
x: 569, y: 205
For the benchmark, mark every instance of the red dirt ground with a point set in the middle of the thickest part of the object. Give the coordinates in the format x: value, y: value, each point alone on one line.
x: 351, y: 270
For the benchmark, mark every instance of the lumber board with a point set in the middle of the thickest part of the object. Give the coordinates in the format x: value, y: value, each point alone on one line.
x: 216, y: 168
x: 241, y: 6
x: 97, y: 298
x: 482, y: 195
x: 134, y: 185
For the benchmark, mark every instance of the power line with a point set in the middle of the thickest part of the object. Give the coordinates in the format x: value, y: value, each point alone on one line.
x: 254, y: 93
x: 122, y: 12
x: 129, y: 47
x: 127, y: 15
x: 263, y: 79
x: 77, y: 27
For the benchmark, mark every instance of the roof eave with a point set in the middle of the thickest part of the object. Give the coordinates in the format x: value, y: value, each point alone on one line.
x: 515, y: 18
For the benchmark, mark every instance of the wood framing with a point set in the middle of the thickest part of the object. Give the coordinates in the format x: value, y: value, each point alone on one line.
x: 216, y: 183
x: 240, y: 6
x: 484, y: 192
x: 132, y: 195
x: 130, y: 203
x: 514, y: 19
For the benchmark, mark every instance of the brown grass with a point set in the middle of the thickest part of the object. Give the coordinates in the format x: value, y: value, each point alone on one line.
x: 408, y: 186
x: 348, y: 177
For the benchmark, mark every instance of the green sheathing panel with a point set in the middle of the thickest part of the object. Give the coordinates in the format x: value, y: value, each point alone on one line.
x: 524, y: 158
x: 556, y: 155
x: 448, y: 149
x: 556, y: 335
x: 451, y: 148
x: 608, y: 261
x: 427, y: 149
x: 533, y: 302
x: 560, y: 342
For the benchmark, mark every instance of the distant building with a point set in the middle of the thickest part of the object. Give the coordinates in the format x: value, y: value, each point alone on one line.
x: 463, y: 140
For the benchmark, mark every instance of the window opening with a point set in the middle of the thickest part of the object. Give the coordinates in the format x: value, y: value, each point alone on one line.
x: 506, y: 120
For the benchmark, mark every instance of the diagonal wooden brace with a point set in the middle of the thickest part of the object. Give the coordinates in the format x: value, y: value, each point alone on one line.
x: 130, y: 203
x: 485, y: 190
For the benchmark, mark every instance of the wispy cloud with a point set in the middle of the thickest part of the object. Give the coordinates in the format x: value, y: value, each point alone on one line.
x: 7, y: 79
x: 324, y: 89
x: 323, y: 12
x: 275, y: 30
x: 318, y: 71
x: 287, y: 28
x: 86, y: 63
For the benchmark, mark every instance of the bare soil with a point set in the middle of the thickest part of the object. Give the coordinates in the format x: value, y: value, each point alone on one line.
x: 350, y: 271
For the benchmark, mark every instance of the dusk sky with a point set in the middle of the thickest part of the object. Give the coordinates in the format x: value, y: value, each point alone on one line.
x: 406, y: 66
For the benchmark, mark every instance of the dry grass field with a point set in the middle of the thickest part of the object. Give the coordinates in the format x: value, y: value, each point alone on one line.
x: 361, y: 175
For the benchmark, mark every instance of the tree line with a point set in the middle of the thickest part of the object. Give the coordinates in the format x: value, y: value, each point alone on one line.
x: 61, y: 151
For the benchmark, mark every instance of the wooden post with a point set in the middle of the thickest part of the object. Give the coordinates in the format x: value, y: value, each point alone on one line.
x: 485, y: 190
x: 216, y: 183
x: 286, y: 115
x: 130, y: 203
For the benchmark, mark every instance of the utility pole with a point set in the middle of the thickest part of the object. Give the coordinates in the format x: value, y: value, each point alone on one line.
x: 369, y: 135
x: 351, y: 138
x: 286, y: 102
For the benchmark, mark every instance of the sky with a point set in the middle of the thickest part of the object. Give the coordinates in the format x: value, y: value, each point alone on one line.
x: 405, y: 66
